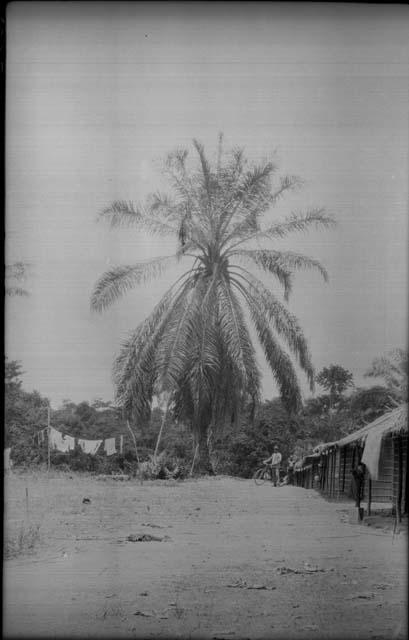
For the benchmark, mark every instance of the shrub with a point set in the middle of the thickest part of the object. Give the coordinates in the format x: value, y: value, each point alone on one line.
x: 24, y: 541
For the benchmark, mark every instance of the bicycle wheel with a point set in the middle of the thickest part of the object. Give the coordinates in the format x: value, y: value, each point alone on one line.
x: 260, y: 476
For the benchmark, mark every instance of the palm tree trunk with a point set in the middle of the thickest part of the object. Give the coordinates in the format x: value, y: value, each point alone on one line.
x: 210, y: 446
x: 164, y: 416
x: 203, y: 463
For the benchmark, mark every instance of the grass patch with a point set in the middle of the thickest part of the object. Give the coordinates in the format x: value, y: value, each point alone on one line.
x: 24, y: 541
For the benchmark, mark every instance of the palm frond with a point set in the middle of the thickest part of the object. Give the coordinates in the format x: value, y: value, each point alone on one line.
x: 175, y: 349
x: 161, y: 205
x: 299, y: 222
x: 114, y: 283
x: 219, y: 152
x: 287, y: 183
x: 121, y: 214
x: 282, y: 263
x: 284, y: 322
x: 278, y: 360
x: 135, y: 372
x: 177, y: 159
x: 206, y: 361
x: 124, y: 214
x: 283, y: 275
x: 234, y: 332
x: 250, y: 198
x: 205, y: 169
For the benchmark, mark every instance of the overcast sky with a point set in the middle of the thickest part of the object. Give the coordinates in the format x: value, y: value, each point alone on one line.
x: 98, y: 93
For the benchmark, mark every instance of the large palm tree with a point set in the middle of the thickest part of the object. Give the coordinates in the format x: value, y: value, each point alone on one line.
x: 195, y: 344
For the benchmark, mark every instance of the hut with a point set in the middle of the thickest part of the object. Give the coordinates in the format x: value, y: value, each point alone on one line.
x: 382, y: 446
x: 306, y: 471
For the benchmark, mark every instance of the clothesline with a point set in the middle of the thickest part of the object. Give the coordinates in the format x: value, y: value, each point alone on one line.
x: 66, y: 443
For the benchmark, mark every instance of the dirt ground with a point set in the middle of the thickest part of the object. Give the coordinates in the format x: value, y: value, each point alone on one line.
x: 235, y: 561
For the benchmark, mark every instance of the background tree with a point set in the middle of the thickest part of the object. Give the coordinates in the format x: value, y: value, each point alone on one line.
x: 15, y: 275
x: 24, y: 414
x: 368, y: 404
x: 336, y: 380
x: 240, y: 451
x: 393, y: 368
x: 195, y: 344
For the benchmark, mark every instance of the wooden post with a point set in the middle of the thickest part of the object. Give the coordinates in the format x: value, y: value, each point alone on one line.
x: 48, y: 438
x: 338, y: 471
x: 344, y: 469
x: 331, y: 480
x: 400, y: 479
x: 369, y: 496
x: 405, y: 505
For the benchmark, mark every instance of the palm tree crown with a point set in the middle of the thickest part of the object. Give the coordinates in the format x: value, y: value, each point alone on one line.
x: 195, y: 344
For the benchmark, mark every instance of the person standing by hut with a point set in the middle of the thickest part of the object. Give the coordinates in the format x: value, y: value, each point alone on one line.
x: 358, y: 479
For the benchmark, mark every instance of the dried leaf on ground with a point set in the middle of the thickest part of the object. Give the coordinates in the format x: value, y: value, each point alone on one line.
x: 307, y: 569
x: 242, y: 584
x: 143, y: 537
x: 145, y: 614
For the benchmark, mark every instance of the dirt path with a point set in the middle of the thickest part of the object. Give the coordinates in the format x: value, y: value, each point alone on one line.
x: 221, y: 536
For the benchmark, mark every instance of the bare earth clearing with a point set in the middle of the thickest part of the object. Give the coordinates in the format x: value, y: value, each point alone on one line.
x: 223, y: 539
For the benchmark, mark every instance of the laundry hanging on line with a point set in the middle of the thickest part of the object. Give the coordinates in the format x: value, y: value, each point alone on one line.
x: 109, y: 446
x: 66, y: 443
x: 89, y: 446
x: 60, y: 442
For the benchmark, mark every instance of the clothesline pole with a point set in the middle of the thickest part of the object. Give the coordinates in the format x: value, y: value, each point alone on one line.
x: 48, y: 438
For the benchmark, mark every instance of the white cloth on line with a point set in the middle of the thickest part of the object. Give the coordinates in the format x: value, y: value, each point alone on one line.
x: 70, y: 442
x: 372, y: 452
x: 60, y: 442
x: 109, y: 446
x: 89, y: 446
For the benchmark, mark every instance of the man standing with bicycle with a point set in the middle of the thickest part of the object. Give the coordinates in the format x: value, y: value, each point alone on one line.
x: 274, y: 461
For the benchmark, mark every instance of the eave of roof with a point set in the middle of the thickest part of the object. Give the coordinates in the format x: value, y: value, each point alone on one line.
x: 390, y: 422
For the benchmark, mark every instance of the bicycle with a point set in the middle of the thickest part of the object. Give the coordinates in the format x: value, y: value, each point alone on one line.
x: 263, y: 474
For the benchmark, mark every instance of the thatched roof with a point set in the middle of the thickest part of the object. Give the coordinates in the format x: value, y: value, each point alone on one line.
x: 391, y: 422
